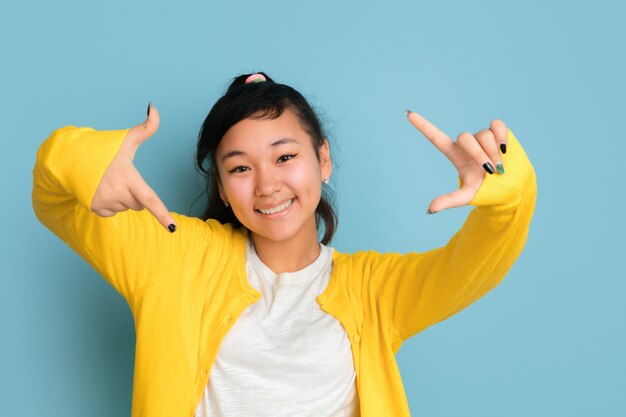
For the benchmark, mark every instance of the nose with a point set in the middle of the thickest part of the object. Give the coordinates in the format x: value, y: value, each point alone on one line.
x: 267, y: 183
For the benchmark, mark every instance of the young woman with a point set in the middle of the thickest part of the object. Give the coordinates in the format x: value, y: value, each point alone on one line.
x: 246, y: 312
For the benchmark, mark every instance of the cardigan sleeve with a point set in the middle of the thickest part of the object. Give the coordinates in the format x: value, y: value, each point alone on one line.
x: 420, y: 289
x: 131, y: 249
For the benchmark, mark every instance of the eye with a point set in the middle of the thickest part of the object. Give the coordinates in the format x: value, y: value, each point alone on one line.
x: 286, y: 157
x: 238, y: 169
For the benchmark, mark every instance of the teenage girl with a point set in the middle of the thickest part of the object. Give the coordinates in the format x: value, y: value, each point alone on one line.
x: 244, y: 312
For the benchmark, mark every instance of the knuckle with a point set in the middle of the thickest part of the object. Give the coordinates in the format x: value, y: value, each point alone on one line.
x: 497, y: 123
x: 118, y: 207
x: 485, y: 134
x: 153, y: 204
x: 141, y: 192
x: 151, y: 199
x: 148, y: 128
x: 131, y: 137
x: 119, y: 189
x: 464, y: 137
x: 499, y: 127
x: 135, y: 206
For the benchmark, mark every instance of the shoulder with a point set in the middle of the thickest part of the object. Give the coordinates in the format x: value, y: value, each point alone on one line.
x: 224, y: 240
x: 357, y: 260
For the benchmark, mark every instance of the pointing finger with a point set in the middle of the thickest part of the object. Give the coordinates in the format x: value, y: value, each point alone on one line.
x: 434, y: 135
x: 132, y: 203
x: 150, y: 200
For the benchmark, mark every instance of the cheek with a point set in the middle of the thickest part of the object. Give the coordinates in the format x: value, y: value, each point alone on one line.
x: 235, y: 189
x: 306, y: 179
x: 238, y: 194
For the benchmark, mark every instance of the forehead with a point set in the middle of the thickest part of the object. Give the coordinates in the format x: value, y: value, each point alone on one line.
x: 261, y: 133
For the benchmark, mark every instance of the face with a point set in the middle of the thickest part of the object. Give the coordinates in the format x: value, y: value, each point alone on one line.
x: 272, y: 178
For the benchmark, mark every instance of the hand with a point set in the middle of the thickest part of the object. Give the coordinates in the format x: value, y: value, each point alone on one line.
x: 470, y: 155
x: 122, y: 187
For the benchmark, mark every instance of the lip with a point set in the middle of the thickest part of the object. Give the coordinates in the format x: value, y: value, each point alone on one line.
x: 280, y: 213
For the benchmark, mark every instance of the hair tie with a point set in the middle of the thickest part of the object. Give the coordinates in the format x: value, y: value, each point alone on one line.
x: 256, y: 78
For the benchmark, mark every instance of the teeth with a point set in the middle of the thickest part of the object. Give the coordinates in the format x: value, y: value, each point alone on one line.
x: 277, y: 209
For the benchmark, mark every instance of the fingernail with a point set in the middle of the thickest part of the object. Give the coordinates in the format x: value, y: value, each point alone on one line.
x: 149, y: 104
x: 172, y: 228
x: 503, y: 147
x: 500, y: 168
x: 488, y: 167
x: 407, y: 112
x: 430, y: 212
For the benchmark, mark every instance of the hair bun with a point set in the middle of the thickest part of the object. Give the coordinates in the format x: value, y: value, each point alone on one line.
x: 250, y: 78
x: 256, y: 78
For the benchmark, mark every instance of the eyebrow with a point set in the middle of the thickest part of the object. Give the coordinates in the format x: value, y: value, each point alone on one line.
x: 279, y: 142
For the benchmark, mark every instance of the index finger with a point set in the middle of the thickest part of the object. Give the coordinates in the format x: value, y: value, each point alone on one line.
x: 150, y: 200
x: 432, y: 133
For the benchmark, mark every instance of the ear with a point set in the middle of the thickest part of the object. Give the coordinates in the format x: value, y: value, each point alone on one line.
x: 326, y: 163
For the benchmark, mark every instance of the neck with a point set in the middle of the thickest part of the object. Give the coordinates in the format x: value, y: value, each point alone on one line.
x: 287, y: 256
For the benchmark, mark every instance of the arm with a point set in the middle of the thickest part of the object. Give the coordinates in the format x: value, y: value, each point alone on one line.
x: 421, y: 289
x: 131, y: 249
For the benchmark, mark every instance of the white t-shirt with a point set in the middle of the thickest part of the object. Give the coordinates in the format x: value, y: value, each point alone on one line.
x: 284, y: 356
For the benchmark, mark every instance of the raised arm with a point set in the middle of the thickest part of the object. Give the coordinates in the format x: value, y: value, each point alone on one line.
x: 84, y: 184
x: 420, y: 289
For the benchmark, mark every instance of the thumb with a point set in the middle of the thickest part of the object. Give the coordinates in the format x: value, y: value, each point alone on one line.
x: 456, y: 198
x: 140, y: 133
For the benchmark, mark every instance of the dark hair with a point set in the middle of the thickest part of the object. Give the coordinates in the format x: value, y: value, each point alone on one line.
x: 259, y: 100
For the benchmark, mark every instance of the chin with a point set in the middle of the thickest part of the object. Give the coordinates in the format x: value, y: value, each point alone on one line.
x: 276, y: 236
x: 284, y: 232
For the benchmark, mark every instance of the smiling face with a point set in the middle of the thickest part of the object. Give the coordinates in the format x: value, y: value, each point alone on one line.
x: 272, y: 178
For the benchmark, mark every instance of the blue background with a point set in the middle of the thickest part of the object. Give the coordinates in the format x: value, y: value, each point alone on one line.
x: 549, y: 341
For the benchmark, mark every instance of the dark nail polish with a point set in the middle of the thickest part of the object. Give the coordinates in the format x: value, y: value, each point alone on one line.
x: 503, y: 147
x: 430, y: 212
x: 149, y: 104
x: 171, y: 228
x: 489, y: 168
x: 407, y: 112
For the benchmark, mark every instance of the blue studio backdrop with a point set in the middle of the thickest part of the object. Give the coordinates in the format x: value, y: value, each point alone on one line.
x: 550, y: 340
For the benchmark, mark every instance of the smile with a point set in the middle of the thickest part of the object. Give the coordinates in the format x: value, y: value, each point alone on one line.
x: 277, y: 209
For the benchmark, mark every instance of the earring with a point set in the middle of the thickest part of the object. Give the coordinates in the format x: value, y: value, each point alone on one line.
x: 326, y: 180
x: 226, y: 203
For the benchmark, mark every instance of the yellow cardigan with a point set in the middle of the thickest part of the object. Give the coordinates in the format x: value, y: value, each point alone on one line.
x: 187, y: 289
